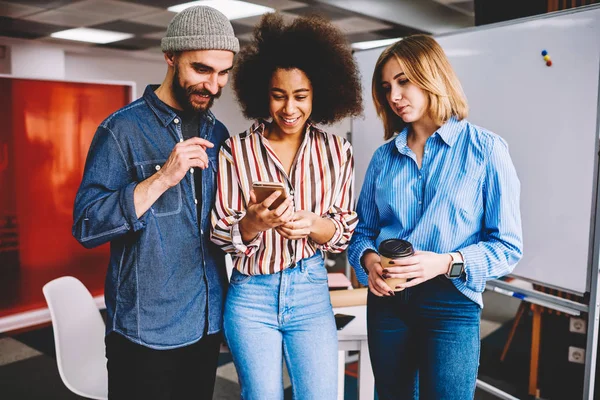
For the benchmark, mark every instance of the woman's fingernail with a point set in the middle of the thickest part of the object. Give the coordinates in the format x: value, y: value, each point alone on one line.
x: 391, y: 263
x: 385, y: 276
x: 400, y: 287
x: 385, y: 271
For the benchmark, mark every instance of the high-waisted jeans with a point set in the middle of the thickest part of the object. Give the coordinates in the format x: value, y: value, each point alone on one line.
x: 286, y: 315
x: 424, y: 343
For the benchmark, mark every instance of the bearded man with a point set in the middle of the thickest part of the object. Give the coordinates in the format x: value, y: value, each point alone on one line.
x: 148, y: 188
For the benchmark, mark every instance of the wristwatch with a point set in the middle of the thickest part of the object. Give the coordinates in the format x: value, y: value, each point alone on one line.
x: 457, y: 266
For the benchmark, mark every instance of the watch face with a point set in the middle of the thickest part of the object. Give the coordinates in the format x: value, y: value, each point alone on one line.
x: 456, y: 270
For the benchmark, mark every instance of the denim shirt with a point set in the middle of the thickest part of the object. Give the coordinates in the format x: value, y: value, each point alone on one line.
x: 163, y: 268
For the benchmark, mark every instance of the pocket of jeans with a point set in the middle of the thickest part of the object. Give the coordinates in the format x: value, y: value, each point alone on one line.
x: 237, y: 278
x: 169, y: 203
x: 317, y: 274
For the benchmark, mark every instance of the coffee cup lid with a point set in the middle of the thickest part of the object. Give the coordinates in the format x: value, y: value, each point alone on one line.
x: 394, y: 248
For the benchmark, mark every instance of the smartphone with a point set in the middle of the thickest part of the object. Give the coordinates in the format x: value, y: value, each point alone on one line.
x: 341, y: 320
x: 262, y: 190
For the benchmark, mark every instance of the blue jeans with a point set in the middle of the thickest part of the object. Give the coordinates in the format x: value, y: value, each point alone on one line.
x: 283, y: 315
x: 424, y: 344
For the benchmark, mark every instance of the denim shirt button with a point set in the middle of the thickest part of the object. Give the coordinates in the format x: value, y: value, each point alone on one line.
x: 191, y: 170
x: 195, y: 201
x: 176, y: 120
x: 157, y: 167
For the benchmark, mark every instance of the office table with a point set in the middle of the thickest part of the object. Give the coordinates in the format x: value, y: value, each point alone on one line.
x: 353, y: 337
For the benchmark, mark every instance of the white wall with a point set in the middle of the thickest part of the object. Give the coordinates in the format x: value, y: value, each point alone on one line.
x: 101, y: 67
x: 35, y: 60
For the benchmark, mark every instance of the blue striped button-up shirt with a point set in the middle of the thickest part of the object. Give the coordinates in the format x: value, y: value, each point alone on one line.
x: 465, y: 197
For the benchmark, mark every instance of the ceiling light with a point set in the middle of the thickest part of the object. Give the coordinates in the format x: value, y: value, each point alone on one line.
x: 232, y: 9
x: 91, y: 35
x: 374, y: 43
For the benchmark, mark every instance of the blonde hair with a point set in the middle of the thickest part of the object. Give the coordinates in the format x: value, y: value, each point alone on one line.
x: 425, y: 65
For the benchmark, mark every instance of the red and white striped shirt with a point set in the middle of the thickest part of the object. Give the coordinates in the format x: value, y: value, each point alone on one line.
x: 321, y: 181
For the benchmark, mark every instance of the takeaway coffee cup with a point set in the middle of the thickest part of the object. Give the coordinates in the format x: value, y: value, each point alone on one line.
x: 393, y: 249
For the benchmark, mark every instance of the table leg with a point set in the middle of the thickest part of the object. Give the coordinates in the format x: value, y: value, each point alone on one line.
x: 341, y: 373
x: 366, y: 381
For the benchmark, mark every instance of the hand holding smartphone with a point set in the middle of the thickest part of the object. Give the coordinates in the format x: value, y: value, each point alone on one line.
x: 262, y: 190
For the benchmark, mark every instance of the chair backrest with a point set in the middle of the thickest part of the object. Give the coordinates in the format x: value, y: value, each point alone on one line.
x: 78, y: 337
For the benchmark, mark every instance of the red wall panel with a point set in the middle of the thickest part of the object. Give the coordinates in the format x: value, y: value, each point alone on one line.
x: 47, y: 127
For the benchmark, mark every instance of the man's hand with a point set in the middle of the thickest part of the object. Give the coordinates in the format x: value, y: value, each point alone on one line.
x: 259, y: 218
x: 188, y: 154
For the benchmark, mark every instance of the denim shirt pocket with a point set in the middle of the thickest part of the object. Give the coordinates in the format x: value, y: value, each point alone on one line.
x: 170, y: 202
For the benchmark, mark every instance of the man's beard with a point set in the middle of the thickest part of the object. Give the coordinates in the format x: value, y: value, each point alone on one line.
x: 183, y: 95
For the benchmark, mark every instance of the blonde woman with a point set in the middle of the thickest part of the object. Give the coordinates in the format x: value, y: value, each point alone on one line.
x: 450, y: 189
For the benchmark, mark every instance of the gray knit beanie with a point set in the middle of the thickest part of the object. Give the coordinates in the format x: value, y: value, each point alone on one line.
x: 200, y: 28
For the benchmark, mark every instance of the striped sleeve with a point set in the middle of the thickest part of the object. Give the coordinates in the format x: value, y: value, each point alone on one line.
x: 342, y: 212
x: 501, y: 248
x: 230, y: 208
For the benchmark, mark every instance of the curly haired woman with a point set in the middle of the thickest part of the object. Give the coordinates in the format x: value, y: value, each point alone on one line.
x: 290, y: 78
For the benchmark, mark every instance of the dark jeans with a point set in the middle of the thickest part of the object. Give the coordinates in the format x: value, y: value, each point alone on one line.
x: 139, y: 372
x: 424, y: 344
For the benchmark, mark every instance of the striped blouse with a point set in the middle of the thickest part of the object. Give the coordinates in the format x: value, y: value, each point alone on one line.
x: 465, y: 197
x: 321, y: 181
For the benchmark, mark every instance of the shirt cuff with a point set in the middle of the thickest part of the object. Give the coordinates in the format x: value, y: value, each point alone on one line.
x: 128, y: 207
x: 473, y: 260
x: 337, y: 235
x: 238, y: 242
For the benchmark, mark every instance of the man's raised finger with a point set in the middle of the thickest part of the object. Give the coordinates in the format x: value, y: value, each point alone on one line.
x: 196, y: 141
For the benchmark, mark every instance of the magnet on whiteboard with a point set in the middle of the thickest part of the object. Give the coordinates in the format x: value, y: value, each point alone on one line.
x: 544, y: 52
x: 549, y: 63
x: 546, y: 57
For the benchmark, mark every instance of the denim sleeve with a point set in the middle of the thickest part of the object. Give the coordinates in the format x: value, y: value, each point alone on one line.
x: 501, y: 246
x: 367, y: 230
x: 104, y: 207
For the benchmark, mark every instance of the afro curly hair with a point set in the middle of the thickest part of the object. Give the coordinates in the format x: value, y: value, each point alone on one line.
x: 311, y: 44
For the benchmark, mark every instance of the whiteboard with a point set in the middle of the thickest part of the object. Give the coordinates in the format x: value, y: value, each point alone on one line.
x: 548, y: 116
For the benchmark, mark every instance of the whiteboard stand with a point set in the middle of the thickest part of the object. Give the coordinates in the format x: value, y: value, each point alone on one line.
x: 566, y: 306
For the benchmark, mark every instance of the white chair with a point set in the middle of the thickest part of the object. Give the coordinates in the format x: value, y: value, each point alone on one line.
x: 78, y: 337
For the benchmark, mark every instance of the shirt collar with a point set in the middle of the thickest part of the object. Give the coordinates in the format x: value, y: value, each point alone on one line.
x: 449, y: 133
x: 450, y: 130
x: 163, y: 111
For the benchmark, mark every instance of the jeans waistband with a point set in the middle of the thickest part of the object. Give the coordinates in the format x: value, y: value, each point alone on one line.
x: 314, y: 260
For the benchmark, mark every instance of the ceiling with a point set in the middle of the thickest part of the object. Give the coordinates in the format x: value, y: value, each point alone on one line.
x: 361, y: 20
